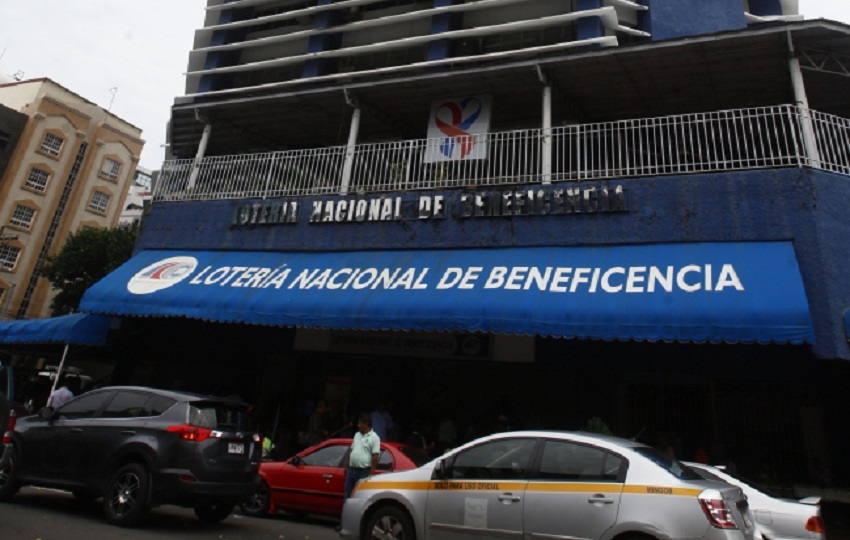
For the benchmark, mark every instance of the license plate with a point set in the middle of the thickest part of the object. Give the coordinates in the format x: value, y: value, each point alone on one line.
x: 236, y: 448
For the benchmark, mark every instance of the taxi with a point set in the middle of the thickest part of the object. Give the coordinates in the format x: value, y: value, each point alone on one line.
x: 547, y: 484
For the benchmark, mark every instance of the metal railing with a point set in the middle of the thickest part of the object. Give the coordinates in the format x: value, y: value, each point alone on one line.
x: 741, y: 139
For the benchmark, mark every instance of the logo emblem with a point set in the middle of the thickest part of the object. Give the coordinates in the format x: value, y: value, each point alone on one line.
x: 161, y: 275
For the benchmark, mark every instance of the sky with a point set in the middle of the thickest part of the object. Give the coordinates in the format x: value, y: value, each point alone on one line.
x: 130, y: 56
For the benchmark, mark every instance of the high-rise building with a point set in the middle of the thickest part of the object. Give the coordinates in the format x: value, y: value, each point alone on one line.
x: 67, y: 164
x: 626, y: 210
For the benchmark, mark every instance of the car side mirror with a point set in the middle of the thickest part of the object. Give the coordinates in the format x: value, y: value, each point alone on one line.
x: 296, y: 461
x: 47, y: 413
x: 441, y: 470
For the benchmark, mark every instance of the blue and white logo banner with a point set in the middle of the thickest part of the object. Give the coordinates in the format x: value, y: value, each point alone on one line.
x: 687, y: 292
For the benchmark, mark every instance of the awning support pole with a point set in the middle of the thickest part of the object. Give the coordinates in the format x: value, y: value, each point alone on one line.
x: 809, y: 139
x: 352, y: 142
x: 61, y: 367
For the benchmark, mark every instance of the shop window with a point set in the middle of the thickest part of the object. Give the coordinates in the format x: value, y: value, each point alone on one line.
x: 22, y: 217
x: 110, y: 169
x: 52, y: 144
x: 9, y: 257
x: 99, y: 202
x: 38, y: 179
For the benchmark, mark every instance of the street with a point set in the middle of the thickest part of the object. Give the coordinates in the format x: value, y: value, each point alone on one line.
x: 40, y: 514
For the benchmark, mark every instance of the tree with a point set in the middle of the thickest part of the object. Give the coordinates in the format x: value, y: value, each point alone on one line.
x: 86, y: 257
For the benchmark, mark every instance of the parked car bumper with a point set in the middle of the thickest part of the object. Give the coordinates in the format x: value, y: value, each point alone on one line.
x: 182, y: 488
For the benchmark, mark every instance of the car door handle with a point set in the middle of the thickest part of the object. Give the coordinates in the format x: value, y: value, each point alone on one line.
x: 76, y: 430
x: 128, y: 432
x: 327, y: 476
x: 509, y: 497
x: 600, y: 499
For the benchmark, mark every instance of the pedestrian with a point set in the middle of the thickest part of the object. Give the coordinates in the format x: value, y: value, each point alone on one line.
x: 365, y: 449
x: 317, y: 425
x: 446, y: 435
x: 69, y: 386
x: 382, y: 420
x: 4, y: 424
x: 417, y: 438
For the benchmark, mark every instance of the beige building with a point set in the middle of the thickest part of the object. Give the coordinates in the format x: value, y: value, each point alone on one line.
x: 72, y: 167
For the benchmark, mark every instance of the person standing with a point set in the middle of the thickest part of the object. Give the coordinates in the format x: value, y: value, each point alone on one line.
x: 382, y: 420
x: 316, y: 426
x: 365, y: 450
x: 63, y: 394
x: 4, y: 424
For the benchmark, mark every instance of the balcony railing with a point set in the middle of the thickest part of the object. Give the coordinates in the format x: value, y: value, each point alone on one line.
x: 758, y: 138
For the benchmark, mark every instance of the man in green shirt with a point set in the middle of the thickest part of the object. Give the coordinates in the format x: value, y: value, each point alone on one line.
x: 365, y: 450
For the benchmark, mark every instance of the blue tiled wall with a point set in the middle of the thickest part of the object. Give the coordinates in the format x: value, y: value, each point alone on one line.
x: 668, y: 19
x: 802, y: 205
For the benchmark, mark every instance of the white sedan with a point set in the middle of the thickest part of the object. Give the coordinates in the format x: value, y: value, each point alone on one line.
x: 776, y: 518
x: 547, y: 485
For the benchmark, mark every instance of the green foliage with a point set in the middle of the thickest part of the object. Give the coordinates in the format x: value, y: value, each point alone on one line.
x: 596, y: 425
x: 87, y: 256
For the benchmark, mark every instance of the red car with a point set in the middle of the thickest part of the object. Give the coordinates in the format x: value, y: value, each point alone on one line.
x: 313, y: 481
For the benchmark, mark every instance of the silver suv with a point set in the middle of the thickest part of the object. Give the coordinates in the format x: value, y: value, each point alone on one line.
x: 542, y: 484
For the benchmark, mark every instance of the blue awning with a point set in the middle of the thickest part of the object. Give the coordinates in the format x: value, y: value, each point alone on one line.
x: 74, y: 329
x: 733, y: 292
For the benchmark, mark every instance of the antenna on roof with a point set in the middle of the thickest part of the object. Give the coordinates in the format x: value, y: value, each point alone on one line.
x: 114, y: 91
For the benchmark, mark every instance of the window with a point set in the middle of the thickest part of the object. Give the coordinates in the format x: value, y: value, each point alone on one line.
x: 99, y: 202
x: 37, y: 179
x: 51, y: 144
x: 385, y: 461
x: 9, y: 257
x: 564, y: 460
x: 328, y: 456
x: 85, y: 406
x: 110, y: 169
x: 22, y: 217
x: 127, y: 405
x: 500, y: 459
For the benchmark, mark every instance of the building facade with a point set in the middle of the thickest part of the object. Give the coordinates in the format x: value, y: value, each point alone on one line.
x: 70, y: 167
x: 555, y: 211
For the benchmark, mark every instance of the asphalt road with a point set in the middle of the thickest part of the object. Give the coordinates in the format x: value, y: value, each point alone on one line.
x: 40, y: 514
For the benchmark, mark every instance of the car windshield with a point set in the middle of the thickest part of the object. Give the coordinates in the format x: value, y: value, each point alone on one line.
x: 417, y: 456
x: 672, y: 466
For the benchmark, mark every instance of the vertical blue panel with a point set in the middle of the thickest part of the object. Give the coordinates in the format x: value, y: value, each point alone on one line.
x: 668, y: 19
x: 589, y: 27
x: 438, y: 50
x: 324, y: 42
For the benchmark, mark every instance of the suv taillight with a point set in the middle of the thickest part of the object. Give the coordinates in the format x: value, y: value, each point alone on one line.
x: 190, y: 433
x: 7, y: 435
x: 716, y: 509
x: 815, y: 524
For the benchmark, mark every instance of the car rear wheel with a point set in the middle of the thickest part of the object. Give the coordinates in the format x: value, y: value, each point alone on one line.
x: 125, y: 502
x: 213, y: 513
x: 258, y: 504
x: 9, y: 484
x: 390, y: 523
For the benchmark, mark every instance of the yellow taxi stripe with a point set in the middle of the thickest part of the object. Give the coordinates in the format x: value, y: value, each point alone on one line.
x: 554, y: 487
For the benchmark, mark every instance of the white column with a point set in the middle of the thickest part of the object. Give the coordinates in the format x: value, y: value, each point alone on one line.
x: 349, y: 151
x: 546, y: 141
x: 202, y: 148
x: 802, y: 101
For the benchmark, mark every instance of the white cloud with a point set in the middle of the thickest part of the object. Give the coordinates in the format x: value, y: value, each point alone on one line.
x: 91, y: 46
x: 140, y: 48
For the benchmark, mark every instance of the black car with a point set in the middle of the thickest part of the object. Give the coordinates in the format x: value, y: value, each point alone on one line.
x: 138, y: 448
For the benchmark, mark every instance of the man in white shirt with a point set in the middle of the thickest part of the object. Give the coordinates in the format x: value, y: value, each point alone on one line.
x: 64, y: 393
